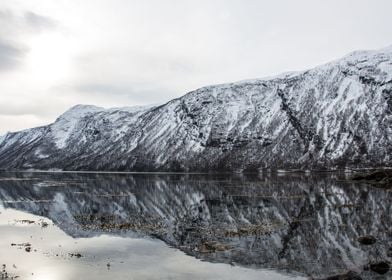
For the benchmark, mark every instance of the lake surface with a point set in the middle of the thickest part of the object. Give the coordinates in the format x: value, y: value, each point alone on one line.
x: 188, y: 226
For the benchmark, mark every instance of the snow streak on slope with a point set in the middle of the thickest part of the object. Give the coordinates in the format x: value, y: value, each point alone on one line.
x: 67, y: 123
x: 333, y: 116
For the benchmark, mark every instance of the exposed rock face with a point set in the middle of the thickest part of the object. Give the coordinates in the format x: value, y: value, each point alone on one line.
x: 333, y: 116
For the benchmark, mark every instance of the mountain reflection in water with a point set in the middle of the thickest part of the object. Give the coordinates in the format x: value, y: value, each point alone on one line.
x: 295, y: 224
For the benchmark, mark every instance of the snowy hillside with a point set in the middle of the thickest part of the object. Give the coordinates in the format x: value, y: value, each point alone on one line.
x: 333, y: 116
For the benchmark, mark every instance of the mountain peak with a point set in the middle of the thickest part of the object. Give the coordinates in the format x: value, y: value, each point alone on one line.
x: 80, y: 110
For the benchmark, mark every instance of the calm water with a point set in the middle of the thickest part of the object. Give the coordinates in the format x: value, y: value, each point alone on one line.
x: 170, y: 226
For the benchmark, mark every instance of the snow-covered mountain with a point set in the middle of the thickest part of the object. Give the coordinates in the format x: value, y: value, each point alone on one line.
x: 333, y: 116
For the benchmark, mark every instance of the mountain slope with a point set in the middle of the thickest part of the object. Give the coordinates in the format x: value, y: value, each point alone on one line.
x: 333, y: 116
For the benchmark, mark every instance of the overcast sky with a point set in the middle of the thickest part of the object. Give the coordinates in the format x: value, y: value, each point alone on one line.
x: 58, y: 53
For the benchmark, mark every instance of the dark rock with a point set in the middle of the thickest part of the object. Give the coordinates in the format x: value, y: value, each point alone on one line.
x: 211, y: 247
x: 367, y: 240
x: 21, y: 244
x: 44, y: 224
x: 380, y: 267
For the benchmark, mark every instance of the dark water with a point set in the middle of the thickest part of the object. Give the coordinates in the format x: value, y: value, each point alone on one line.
x: 171, y: 226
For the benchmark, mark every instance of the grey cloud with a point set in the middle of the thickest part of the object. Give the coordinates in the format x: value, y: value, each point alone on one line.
x: 30, y: 22
x: 36, y: 107
x: 7, y: 110
x: 6, y: 15
x: 39, y: 22
x: 10, y: 55
x: 12, y: 29
x: 142, y: 95
x: 102, y: 89
x: 137, y: 76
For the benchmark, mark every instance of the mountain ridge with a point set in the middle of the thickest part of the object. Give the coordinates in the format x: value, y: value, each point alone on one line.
x: 337, y: 115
